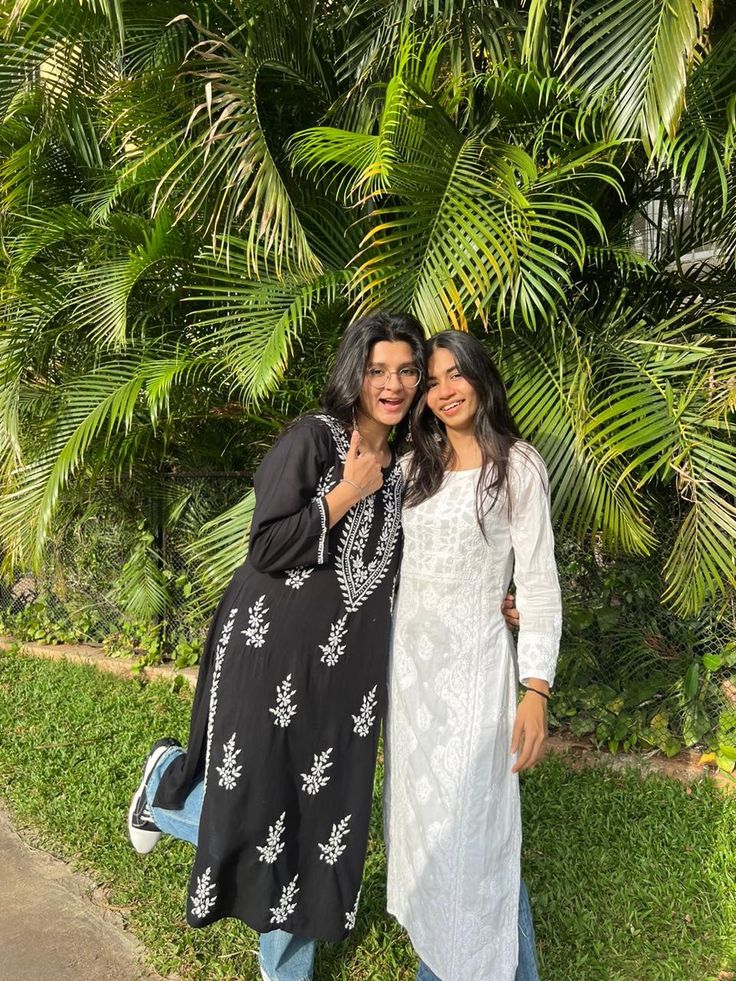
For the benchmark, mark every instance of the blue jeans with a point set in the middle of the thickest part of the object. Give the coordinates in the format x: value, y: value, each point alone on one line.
x: 527, y: 967
x: 282, y: 956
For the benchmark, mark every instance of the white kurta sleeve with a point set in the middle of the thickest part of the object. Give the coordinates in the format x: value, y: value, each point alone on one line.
x: 535, y: 571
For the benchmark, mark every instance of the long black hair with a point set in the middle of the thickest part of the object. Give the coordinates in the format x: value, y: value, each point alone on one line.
x: 342, y: 392
x: 493, y: 427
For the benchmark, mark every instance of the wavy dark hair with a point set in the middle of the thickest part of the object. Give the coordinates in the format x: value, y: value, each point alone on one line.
x: 493, y: 427
x: 342, y: 392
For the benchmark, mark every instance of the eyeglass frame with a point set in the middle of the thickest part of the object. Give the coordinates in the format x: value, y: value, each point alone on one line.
x: 386, y: 375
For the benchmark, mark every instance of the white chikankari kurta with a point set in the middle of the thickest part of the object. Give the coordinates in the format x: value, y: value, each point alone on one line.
x: 452, y: 819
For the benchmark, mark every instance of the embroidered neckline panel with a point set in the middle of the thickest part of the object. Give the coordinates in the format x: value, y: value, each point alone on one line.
x: 357, y: 576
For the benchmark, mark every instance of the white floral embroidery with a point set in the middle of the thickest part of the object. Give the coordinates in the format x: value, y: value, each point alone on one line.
x: 357, y: 576
x: 297, y: 577
x: 393, y: 594
x: 422, y: 788
x: 322, y: 543
x: 365, y: 718
x: 537, y: 651
x: 255, y: 632
x: 202, y: 900
x: 275, y: 843
x: 352, y: 913
x: 333, y: 650
x: 342, y: 443
x: 318, y: 776
x: 325, y: 483
x: 284, y: 710
x: 230, y: 770
x: 287, y: 904
x: 220, y: 650
x: 333, y: 849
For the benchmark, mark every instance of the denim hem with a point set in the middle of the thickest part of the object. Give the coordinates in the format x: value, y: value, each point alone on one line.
x: 267, y: 977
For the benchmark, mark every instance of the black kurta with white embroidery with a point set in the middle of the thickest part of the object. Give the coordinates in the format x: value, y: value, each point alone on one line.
x: 289, y: 700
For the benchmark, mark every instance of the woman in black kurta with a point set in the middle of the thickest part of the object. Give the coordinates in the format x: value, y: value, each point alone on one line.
x: 287, y: 723
x: 292, y: 685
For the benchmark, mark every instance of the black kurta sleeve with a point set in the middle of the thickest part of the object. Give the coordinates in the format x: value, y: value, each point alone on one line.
x: 291, y: 521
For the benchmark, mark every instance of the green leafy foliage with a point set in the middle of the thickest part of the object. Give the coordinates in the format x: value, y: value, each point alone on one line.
x: 636, y: 54
x: 195, y: 198
x: 632, y: 674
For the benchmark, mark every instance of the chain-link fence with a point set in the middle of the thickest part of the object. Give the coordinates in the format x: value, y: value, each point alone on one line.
x: 631, y: 674
x: 65, y: 601
x: 125, y: 577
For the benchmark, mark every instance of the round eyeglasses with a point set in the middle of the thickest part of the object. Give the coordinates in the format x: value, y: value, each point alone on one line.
x: 380, y: 377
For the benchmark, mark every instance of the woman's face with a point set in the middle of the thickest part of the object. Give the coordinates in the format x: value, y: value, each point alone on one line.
x: 389, y: 382
x: 449, y: 396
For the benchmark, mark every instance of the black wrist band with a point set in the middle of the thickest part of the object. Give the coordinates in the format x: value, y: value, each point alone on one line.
x: 536, y: 691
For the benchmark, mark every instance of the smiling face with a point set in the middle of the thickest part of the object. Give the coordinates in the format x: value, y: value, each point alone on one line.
x: 386, y: 395
x: 449, y: 396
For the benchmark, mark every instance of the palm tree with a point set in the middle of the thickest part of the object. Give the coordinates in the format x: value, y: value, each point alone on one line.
x: 193, y: 197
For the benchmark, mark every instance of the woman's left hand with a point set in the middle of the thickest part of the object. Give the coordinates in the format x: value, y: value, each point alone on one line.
x: 530, y: 732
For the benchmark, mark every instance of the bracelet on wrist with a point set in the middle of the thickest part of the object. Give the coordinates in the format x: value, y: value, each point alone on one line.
x: 536, y: 691
x: 352, y: 483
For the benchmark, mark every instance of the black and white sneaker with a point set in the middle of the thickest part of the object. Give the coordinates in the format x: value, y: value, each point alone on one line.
x: 142, y: 829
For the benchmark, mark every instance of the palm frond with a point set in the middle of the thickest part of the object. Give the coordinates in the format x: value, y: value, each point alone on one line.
x: 40, y: 228
x: 474, y: 33
x: 99, y: 297
x: 110, y: 408
x: 635, y: 54
x: 702, y: 560
x: 221, y: 547
x: 655, y: 415
x: 700, y: 150
x: 535, y: 49
x: 440, y: 251
x: 626, y: 261
x: 250, y: 327
x: 226, y: 174
x: 158, y: 37
x: 102, y: 402
x: 358, y: 166
x: 38, y: 12
x: 141, y: 587
x: 549, y: 393
x: 354, y: 165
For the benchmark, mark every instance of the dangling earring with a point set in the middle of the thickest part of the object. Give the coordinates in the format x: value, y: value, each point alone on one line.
x: 355, y: 421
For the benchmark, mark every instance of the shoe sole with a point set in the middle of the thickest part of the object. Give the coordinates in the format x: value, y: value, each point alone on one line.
x: 144, y: 841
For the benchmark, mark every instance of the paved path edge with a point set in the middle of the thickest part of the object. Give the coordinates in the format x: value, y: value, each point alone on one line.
x: 56, y: 924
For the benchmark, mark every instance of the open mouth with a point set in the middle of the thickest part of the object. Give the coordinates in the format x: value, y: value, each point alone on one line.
x: 391, y: 404
x: 451, y: 406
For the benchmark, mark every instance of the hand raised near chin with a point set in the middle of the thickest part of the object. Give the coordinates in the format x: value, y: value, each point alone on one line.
x: 363, y: 466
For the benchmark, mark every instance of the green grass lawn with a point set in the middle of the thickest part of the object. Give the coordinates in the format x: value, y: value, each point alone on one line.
x: 631, y: 879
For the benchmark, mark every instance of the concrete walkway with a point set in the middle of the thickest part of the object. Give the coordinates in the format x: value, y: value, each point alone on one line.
x: 50, y: 928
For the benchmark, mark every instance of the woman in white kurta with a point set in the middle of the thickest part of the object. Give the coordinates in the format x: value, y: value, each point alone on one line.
x: 457, y: 735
